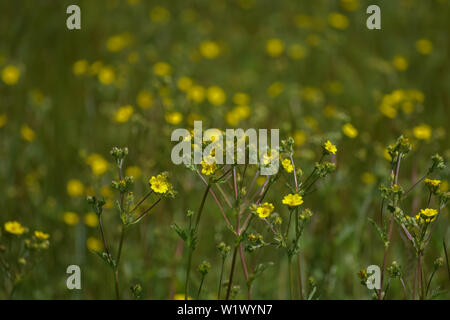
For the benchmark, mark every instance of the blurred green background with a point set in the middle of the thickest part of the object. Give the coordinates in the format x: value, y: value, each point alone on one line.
x: 139, y: 69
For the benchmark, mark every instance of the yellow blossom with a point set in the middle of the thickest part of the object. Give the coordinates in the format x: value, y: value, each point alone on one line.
x: 94, y: 244
x: 338, y: 21
x: 216, y: 95
x: 368, y: 178
x: 134, y: 171
x: 432, y: 182
x: 118, y: 42
x: 159, y: 183
x: 160, y: 15
x: 426, y: 215
x: 41, y: 235
x: 424, y: 46
x: 287, y: 165
x: 293, y: 200
x: 241, y: 98
x: 173, y: 118
x: 299, y: 137
x: 70, y: 218
x: 80, y: 67
x: 10, y: 75
x: 181, y: 296
x: 274, y: 47
x: 297, y: 51
x: 329, y: 147
x: 184, y: 83
x: 123, y: 114
x: 27, y: 133
x: 400, y: 63
x: 3, y: 119
x: 275, y: 89
x: 209, y: 49
x: 14, y: 227
x: 97, y: 163
x: 106, y: 75
x: 162, y: 69
x: 75, y: 188
x: 196, y: 93
x: 208, y: 167
x: 349, y: 130
x: 350, y: 5
x: 144, y: 99
x: 91, y: 219
x: 264, y: 210
x: 422, y: 132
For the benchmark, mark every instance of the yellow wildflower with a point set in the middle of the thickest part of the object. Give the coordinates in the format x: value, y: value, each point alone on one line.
x: 173, y: 118
x: 209, y: 49
x: 274, y: 47
x: 75, y: 188
x: 70, y: 218
x: 97, y: 163
x: 349, y: 130
x: 422, y: 132
x: 160, y: 15
x: 41, y: 235
x: 297, y: 51
x: 144, y: 99
x: 208, y: 167
x: 426, y: 215
x: 350, y: 5
x: 216, y: 95
x: 159, y: 183
x: 162, y: 69
x: 264, y: 210
x: 241, y: 98
x: 3, y: 119
x: 400, y: 63
x: 123, y: 114
x: 424, y: 46
x: 10, y: 75
x: 368, y: 178
x: 196, y: 93
x: 275, y: 89
x: 329, y: 147
x: 94, y: 244
x: 300, y: 137
x: 91, y: 219
x: 106, y: 75
x: 80, y: 67
x: 434, y: 183
x: 133, y: 171
x: 293, y: 200
x: 338, y: 21
x: 27, y: 133
x: 14, y: 227
x: 287, y: 165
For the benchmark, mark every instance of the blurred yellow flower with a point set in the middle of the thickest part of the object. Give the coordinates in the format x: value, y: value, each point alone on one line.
x: 91, y: 219
x: 275, y: 89
x: 134, y: 171
x: 3, y: 119
x: 264, y: 210
x: 293, y: 200
x: 338, y: 21
x: 209, y: 49
x: 241, y: 98
x: 97, y: 163
x: 80, y: 67
x: 70, y: 218
x: 181, y: 296
x: 400, y: 63
x: 330, y: 111
x: 162, y: 69
x: 75, y: 188
x: 10, y: 75
x: 118, y: 42
x: 274, y: 47
x: 160, y: 15
x: 196, y: 93
x: 422, y: 132
x: 368, y: 178
x: 349, y: 130
x: 287, y: 165
x: 144, y: 99
x: 173, y: 118
x: 106, y: 75
x: 94, y: 244
x: 297, y: 51
x: 216, y: 95
x: 14, y: 227
x: 27, y: 133
x: 424, y: 46
x: 300, y: 137
x: 184, y: 83
x: 350, y: 5
x: 41, y: 235
x: 123, y: 114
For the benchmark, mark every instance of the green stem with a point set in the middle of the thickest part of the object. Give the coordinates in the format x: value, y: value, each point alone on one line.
x: 230, y: 280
